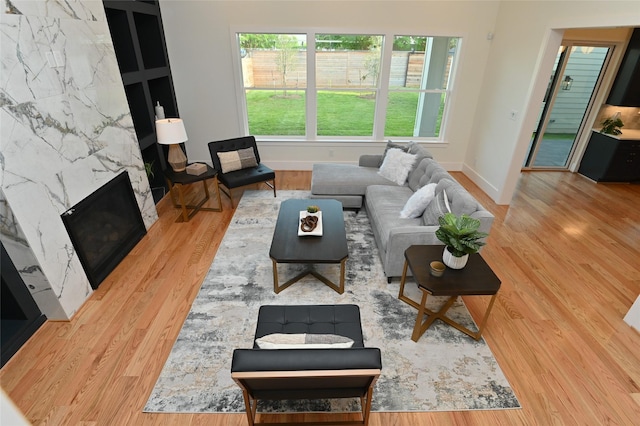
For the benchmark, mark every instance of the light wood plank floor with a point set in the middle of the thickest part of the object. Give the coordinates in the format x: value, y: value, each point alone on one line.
x: 567, y: 251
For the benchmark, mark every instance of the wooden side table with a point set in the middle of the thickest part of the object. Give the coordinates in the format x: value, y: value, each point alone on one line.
x: 177, y: 180
x: 475, y: 279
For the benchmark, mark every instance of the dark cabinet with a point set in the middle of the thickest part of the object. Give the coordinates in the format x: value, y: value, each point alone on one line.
x: 138, y: 40
x: 626, y: 87
x: 608, y: 159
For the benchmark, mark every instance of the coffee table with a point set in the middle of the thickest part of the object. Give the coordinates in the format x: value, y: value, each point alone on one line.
x: 288, y: 247
x: 475, y: 279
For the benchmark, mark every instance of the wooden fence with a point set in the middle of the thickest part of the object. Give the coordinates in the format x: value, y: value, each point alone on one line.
x: 335, y: 69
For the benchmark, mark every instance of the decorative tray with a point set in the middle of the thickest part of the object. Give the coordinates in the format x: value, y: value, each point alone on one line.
x: 317, y: 231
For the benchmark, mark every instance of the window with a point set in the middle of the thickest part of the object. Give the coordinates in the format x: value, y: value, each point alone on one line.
x: 274, y: 77
x: 418, y: 82
x: 327, y: 86
x: 347, y: 70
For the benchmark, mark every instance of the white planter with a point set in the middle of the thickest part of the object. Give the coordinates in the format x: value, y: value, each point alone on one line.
x: 454, y: 262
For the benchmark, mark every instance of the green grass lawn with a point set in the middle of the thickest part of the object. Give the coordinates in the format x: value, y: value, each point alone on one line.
x: 339, y: 113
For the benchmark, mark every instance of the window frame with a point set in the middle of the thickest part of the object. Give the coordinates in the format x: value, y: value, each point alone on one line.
x: 311, y: 89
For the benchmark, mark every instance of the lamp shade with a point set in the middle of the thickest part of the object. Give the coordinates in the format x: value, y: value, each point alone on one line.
x: 170, y: 131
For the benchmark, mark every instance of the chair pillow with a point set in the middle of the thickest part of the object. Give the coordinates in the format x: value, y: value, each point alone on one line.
x: 397, y: 165
x: 303, y: 341
x: 235, y: 160
x: 419, y: 201
x: 436, y: 208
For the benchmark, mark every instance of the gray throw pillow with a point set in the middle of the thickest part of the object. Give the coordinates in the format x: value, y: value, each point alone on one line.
x: 390, y: 145
x: 436, y: 208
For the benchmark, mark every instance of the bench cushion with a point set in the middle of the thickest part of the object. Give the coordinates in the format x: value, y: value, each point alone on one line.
x: 343, y: 320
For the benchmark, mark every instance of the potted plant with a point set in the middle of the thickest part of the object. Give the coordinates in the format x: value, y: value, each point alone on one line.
x: 156, y: 192
x: 611, y: 126
x: 461, y: 238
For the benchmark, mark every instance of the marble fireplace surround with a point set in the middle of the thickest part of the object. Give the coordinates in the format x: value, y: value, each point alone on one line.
x: 66, y: 130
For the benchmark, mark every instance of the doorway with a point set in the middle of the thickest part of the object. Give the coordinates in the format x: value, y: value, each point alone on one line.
x: 576, y: 76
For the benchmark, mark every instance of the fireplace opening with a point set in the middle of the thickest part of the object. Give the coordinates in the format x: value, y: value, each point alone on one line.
x: 104, y: 227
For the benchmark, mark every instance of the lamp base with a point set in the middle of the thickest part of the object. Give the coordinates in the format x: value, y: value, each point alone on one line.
x: 177, y: 159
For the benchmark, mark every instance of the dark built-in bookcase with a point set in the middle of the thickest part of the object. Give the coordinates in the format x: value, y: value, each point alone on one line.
x: 138, y: 40
x: 626, y: 87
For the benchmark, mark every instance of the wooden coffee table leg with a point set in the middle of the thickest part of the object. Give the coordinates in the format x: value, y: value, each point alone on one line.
x: 276, y: 289
x: 342, y: 271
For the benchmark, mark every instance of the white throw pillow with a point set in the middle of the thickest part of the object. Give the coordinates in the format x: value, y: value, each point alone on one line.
x: 397, y: 165
x: 419, y: 201
x: 303, y: 341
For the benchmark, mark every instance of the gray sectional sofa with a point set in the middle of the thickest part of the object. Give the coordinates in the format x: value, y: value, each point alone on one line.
x: 355, y: 185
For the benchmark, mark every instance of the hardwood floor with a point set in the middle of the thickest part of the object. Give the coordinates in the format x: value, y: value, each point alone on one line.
x: 567, y: 251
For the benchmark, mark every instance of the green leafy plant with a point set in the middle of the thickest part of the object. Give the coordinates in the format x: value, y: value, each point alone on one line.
x: 313, y: 209
x: 460, y: 234
x: 148, y: 168
x: 611, y: 125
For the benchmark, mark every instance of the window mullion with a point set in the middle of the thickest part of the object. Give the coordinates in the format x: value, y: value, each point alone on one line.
x: 382, y: 97
x: 312, y: 93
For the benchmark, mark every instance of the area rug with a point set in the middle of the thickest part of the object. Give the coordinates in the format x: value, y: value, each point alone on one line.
x: 445, y: 370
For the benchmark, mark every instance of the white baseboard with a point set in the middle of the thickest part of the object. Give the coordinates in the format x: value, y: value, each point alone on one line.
x: 485, y: 185
x: 299, y: 165
x: 633, y: 316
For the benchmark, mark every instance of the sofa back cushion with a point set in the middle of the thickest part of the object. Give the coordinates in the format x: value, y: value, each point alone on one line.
x: 460, y: 201
x: 417, y: 149
x: 428, y: 171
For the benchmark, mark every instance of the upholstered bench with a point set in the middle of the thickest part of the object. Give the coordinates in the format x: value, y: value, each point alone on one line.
x: 297, y: 373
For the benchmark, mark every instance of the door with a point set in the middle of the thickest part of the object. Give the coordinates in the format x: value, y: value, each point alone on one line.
x: 574, y: 81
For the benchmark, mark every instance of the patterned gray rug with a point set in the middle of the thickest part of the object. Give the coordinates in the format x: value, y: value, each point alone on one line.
x: 445, y: 371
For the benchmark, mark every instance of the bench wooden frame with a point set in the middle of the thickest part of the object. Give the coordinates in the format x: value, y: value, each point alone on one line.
x: 245, y: 379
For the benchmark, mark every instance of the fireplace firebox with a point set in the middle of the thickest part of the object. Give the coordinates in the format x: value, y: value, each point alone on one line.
x: 104, y: 227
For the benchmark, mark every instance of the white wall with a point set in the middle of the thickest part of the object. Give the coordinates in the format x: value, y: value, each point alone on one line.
x: 494, y: 77
x: 198, y: 35
x: 527, y: 37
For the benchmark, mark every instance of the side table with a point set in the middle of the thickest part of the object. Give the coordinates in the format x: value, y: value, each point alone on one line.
x: 176, y: 180
x: 475, y: 279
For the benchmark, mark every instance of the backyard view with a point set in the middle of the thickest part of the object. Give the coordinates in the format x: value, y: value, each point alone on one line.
x: 346, y: 85
x: 271, y: 113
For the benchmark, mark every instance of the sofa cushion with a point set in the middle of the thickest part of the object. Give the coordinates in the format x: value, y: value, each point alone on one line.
x: 424, y: 172
x: 418, y: 150
x: 436, y: 208
x: 303, y: 341
x: 383, y: 208
x: 344, y: 179
x: 415, y: 205
x: 460, y: 201
x: 396, y: 165
x: 428, y: 171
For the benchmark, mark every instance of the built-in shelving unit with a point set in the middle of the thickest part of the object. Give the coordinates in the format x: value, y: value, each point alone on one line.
x: 626, y: 87
x: 138, y: 40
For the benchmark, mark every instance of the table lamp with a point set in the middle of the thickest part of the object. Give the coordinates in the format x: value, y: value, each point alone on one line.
x: 170, y: 131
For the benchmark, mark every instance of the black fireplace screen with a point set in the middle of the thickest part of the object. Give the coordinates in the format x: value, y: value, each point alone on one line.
x: 104, y: 227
